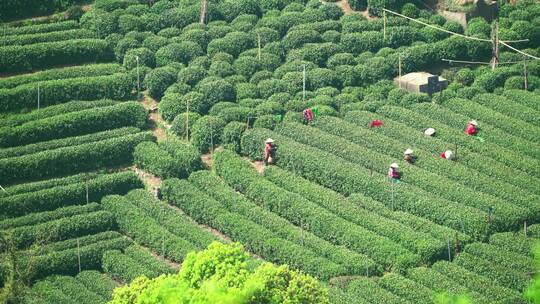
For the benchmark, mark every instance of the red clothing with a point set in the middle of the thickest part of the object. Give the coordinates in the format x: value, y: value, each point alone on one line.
x: 443, y: 156
x: 308, y: 114
x: 393, y: 173
x: 375, y: 123
x: 471, y: 129
x: 267, y: 149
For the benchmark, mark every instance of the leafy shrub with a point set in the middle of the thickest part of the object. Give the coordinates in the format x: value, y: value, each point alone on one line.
x: 167, y: 159
x: 178, y: 52
x: 180, y: 123
x: 221, y: 69
x: 158, y: 80
x: 146, y: 58
x: 216, y: 91
x: 192, y: 75
x: 175, y: 104
x: 206, y: 133
x: 232, y: 134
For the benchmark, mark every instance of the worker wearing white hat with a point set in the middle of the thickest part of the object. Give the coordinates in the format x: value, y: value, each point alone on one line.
x: 471, y: 128
x: 429, y: 131
x: 408, y: 156
x: 393, y: 171
x: 269, y: 151
x: 449, y: 155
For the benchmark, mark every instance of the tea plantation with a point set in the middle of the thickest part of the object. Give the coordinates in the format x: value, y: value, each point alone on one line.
x: 133, y: 132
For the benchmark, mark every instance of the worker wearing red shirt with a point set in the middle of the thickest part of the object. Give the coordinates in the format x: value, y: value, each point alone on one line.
x: 393, y: 171
x: 308, y: 115
x: 471, y: 128
x: 269, y: 151
x: 449, y: 155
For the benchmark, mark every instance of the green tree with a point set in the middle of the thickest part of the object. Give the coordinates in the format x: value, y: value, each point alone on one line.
x: 222, y: 274
x: 533, y: 291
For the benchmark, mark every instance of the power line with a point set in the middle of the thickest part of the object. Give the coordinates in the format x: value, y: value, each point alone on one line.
x: 521, y: 52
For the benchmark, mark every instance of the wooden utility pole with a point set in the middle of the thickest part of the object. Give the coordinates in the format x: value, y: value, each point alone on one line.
x: 384, y: 25
x: 187, y: 119
x: 495, y: 45
x: 304, y: 84
x: 399, y: 70
x: 259, y: 45
x: 204, y: 5
x: 525, y: 76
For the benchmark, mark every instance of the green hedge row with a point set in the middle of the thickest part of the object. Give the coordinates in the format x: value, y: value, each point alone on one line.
x: 65, y: 195
x: 40, y: 28
x: 515, y: 242
x: 423, y: 244
x: 506, y: 216
x: 75, y: 124
x: 135, y: 223
x: 45, y: 184
x: 46, y: 37
x: 413, y: 221
x: 13, y: 120
x: 98, y: 283
x: 507, y: 277
x: 64, y: 228
x: 123, y: 268
x: 66, y: 142
x: 65, y: 261
x: 368, y: 291
x: 117, y: 86
x: 46, y: 291
x: 41, y: 217
x: 466, y: 149
x: 346, y: 178
x: 525, y: 98
x: 18, y: 9
x: 170, y: 219
x: 476, y: 282
x: 17, y: 58
x: 69, y: 160
x: 62, y: 73
x: 406, y: 288
x: 512, y: 109
x: 144, y: 257
x: 488, y: 178
x: 69, y: 287
x: 51, y: 248
x: 205, y: 209
x: 439, y: 282
x: 167, y: 159
x: 376, y: 139
x: 526, y: 149
x: 239, y: 174
x: 501, y: 257
x: 234, y: 202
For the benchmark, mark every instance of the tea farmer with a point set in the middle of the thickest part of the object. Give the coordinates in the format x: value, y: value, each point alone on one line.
x: 449, y: 155
x: 408, y: 156
x: 471, y: 128
x: 269, y: 151
x: 393, y: 172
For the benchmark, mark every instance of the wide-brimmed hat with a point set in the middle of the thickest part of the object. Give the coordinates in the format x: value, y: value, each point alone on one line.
x: 268, y: 141
x: 408, y: 151
x: 448, y: 154
x: 429, y: 131
x: 473, y: 122
x: 394, y: 165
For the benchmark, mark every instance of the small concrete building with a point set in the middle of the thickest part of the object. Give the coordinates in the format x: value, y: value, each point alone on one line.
x: 421, y: 82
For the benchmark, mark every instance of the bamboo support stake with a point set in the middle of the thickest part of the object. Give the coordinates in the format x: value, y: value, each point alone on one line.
x: 304, y: 84
x: 259, y: 45
x: 79, y: 254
